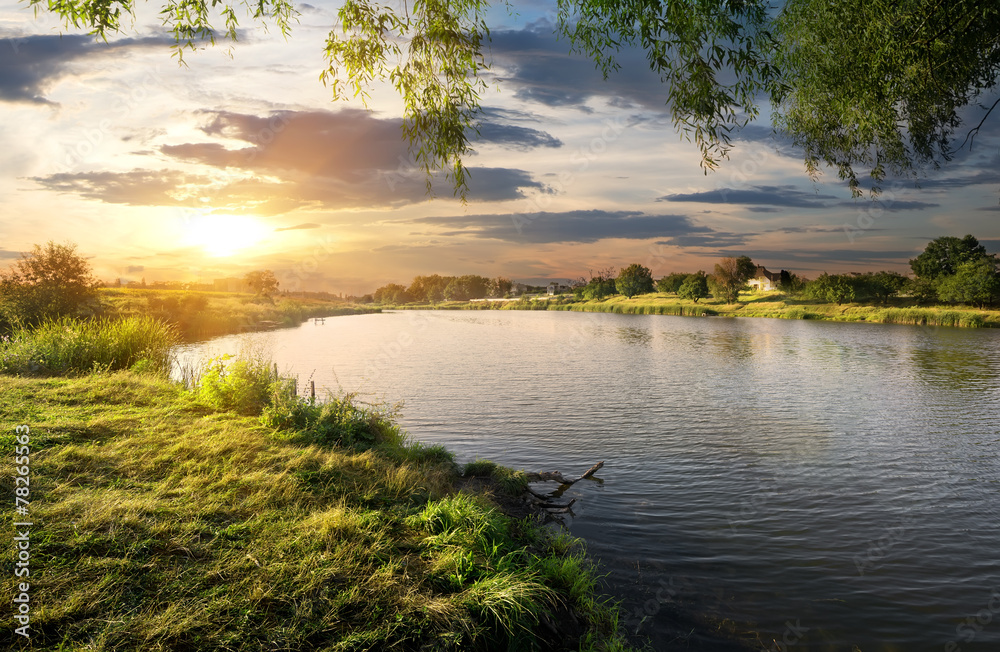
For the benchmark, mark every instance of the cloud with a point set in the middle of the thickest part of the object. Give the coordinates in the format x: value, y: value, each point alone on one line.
x: 133, y: 269
x: 515, y: 137
x: 890, y: 205
x: 784, y: 196
x: 569, y: 226
x: 297, y: 159
x: 299, y: 227
x: 714, y: 239
x: 170, y: 188
x: 814, y: 229
x: 540, y: 69
x: 32, y: 64
x: 992, y: 246
x: 348, y: 158
x: 826, y: 259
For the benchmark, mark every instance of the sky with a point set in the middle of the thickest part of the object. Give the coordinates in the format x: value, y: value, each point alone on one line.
x: 240, y: 160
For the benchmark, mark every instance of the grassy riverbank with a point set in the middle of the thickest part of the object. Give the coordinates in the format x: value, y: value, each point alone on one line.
x: 773, y: 304
x: 237, y: 516
x: 207, y: 314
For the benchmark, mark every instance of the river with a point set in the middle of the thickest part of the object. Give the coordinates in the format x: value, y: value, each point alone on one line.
x: 805, y: 485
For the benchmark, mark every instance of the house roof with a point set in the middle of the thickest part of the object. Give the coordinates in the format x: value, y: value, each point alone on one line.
x: 771, y: 276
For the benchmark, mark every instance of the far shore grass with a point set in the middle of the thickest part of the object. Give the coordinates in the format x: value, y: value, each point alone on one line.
x: 766, y: 304
x: 199, y: 314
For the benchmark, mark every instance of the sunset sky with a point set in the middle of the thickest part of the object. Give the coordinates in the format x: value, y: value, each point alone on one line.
x: 243, y: 162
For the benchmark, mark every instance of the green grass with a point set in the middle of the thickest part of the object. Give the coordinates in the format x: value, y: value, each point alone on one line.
x: 68, y: 346
x: 770, y: 304
x: 206, y: 314
x: 237, y: 516
x: 511, y: 481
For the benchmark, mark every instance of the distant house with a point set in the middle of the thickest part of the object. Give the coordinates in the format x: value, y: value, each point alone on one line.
x: 231, y: 284
x: 556, y: 288
x: 764, y: 281
x: 518, y: 289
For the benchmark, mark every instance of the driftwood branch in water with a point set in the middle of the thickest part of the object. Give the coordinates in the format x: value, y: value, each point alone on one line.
x: 556, y: 476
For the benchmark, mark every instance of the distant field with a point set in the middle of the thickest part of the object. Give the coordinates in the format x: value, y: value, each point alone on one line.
x: 205, y: 314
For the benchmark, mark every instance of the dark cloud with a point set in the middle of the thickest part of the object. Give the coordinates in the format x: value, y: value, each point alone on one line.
x: 299, y: 227
x: 830, y: 260
x: 311, y: 159
x: 714, y: 239
x: 31, y: 64
x: 813, y: 229
x: 889, y: 205
x: 992, y: 246
x: 541, y: 69
x: 976, y: 178
x: 515, y: 137
x: 133, y: 269
x: 348, y: 158
x: 784, y: 196
x: 778, y: 142
x: 6, y: 254
x: 569, y: 226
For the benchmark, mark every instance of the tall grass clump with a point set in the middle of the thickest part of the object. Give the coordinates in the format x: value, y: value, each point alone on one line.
x: 475, y: 557
x: 798, y: 312
x: 247, y: 384
x: 66, y: 346
x: 336, y: 421
x: 239, y: 384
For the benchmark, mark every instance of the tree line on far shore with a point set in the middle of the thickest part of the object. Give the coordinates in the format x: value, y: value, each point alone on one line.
x: 435, y: 288
x: 950, y: 270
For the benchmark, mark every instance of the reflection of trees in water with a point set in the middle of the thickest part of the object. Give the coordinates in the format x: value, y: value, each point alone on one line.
x: 734, y: 346
x: 957, y: 360
x: 633, y: 335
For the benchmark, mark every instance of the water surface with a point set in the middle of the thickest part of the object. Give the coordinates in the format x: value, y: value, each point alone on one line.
x: 810, y: 485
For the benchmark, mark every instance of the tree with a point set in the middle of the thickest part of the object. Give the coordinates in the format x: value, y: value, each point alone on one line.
x: 464, y: 288
x: 941, y: 257
x: 694, y: 287
x: 889, y: 108
x: 51, y: 281
x: 599, y: 286
x: 924, y: 290
x: 790, y: 283
x: 976, y: 282
x: 500, y: 287
x: 428, y: 288
x: 882, y: 286
x: 833, y: 288
x: 671, y: 283
x: 392, y: 293
x: 634, y: 279
x: 262, y: 282
x: 731, y: 276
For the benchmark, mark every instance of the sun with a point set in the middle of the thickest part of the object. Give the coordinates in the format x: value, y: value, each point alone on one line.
x: 224, y: 235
